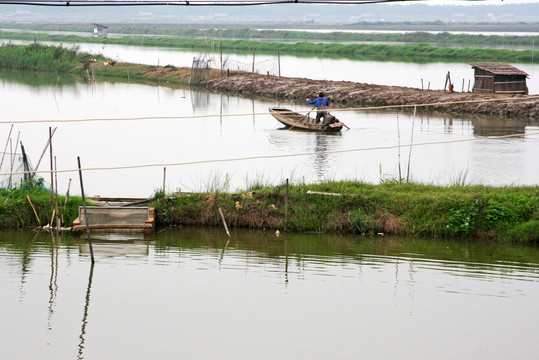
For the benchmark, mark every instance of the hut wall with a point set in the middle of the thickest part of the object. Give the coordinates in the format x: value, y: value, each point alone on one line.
x: 483, y: 81
x: 510, y: 84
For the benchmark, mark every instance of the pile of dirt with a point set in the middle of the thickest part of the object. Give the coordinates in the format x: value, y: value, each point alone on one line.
x: 350, y: 95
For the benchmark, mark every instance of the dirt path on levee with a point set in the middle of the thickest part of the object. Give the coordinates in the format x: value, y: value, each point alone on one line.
x: 344, y: 94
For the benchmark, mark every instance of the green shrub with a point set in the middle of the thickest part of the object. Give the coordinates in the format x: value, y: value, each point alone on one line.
x: 361, y: 223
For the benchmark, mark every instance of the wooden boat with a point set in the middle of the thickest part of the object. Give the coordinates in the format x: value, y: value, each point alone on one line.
x: 292, y: 119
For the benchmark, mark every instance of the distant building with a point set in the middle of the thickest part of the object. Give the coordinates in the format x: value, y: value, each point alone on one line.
x: 100, y: 30
x: 499, y: 77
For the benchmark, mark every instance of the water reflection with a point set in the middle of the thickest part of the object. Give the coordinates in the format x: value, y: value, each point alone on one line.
x: 233, y: 131
x: 288, y: 290
x: 483, y: 126
x: 82, y: 335
x: 320, y: 160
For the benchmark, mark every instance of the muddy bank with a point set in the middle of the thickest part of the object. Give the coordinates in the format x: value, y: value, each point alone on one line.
x: 344, y: 94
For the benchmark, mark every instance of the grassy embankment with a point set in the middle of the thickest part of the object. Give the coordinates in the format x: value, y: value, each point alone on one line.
x: 440, y: 38
x: 62, y: 60
x: 508, y: 214
x: 481, y: 212
x: 17, y: 213
x: 411, y: 53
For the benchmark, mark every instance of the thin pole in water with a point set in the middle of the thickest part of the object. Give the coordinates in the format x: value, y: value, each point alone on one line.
x: 279, y: 60
x: 164, y: 178
x: 254, y: 52
x: 85, y: 212
x: 58, y: 224
x: 5, y: 148
x: 286, y: 207
x: 52, y: 173
x: 399, y: 135
x: 411, y: 143
x: 224, y: 222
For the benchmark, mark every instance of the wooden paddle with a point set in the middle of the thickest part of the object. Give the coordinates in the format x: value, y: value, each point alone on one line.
x: 290, y: 128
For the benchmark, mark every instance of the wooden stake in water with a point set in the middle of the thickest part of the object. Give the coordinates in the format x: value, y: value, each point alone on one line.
x: 58, y: 224
x: 411, y: 143
x: 286, y: 207
x: 224, y: 222
x: 43, y: 152
x: 164, y: 178
x: 254, y: 52
x: 399, y: 135
x: 279, y: 61
x: 52, y: 172
x: 65, y: 201
x: 85, y: 212
x: 5, y: 148
x: 221, y: 58
x: 33, y: 208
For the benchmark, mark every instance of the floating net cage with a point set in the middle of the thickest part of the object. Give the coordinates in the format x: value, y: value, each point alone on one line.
x: 10, y: 165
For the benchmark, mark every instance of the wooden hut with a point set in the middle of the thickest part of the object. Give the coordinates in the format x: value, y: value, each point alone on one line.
x: 498, y: 77
x: 100, y: 30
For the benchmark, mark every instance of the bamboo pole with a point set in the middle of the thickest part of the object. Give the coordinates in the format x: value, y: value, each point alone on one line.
x: 279, y: 61
x: 13, y: 153
x: 52, y: 218
x: 221, y: 59
x: 52, y: 173
x: 164, y: 178
x: 44, y: 149
x: 399, y: 147
x: 58, y: 224
x: 191, y: 74
x: 5, y: 148
x: 224, y: 222
x: 411, y: 143
x: 85, y: 212
x: 11, y: 163
x: 254, y: 52
x: 286, y: 207
x: 33, y: 208
x: 65, y: 202
x: 26, y: 168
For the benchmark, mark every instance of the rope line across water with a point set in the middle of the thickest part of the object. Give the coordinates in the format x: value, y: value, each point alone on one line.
x: 273, y: 156
x: 366, y: 108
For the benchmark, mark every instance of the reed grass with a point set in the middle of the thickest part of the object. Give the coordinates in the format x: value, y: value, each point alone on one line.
x: 16, y: 212
x: 333, y: 36
x: 38, y: 57
x: 410, y: 53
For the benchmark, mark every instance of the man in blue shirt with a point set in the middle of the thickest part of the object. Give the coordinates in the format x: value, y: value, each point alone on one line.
x: 321, y: 106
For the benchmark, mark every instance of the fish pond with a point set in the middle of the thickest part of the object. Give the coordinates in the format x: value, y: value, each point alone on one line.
x: 135, y: 139
x: 190, y: 293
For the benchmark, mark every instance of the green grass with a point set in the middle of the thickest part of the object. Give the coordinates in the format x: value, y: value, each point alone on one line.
x: 38, y: 57
x: 410, y: 53
x: 16, y: 212
x: 479, y: 212
x: 280, y: 35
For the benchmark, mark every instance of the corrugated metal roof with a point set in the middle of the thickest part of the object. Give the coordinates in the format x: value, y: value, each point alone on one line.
x: 498, y: 68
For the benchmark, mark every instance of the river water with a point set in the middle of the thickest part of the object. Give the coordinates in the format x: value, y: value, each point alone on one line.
x: 190, y: 294
x: 180, y: 126
x: 323, y: 67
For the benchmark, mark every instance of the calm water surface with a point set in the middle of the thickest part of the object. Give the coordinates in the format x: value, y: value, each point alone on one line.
x: 321, y: 67
x: 236, y: 134
x: 190, y: 294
